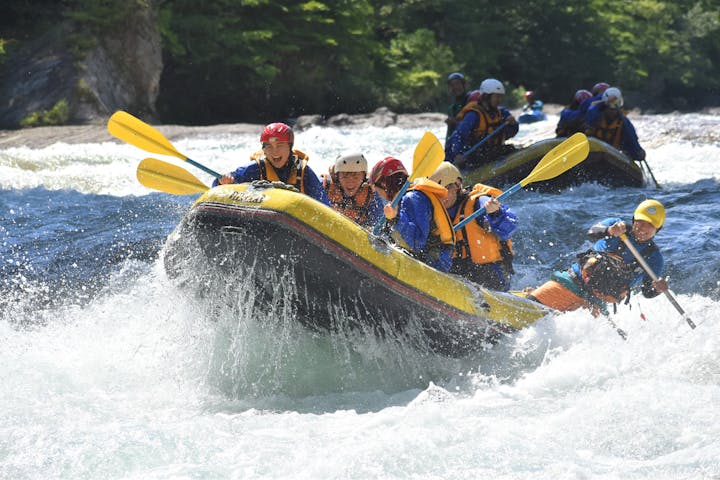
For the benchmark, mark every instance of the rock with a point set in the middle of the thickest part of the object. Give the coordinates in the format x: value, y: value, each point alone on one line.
x: 121, y: 72
x: 306, y: 121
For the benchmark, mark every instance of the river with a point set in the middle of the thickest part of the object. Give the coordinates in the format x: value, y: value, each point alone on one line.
x: 109, y: 371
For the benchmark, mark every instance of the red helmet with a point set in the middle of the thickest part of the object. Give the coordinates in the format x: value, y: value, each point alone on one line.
x: 599, y: 88
x: 474, y: 96
x: 386, y: 168
x: 277, y: 131
x: 529, y: 95
x: 581, y: 96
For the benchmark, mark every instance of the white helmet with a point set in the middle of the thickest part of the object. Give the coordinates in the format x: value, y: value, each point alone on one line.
x: 446, y: 174
x: 350, y: 162
x: 490, y: 85
x: 613, y: 97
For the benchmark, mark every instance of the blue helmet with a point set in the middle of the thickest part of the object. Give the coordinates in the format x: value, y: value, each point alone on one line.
x: 456, y: 75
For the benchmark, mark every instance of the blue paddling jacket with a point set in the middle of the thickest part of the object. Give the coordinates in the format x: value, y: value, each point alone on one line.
x: 311, y: 183
x: 649, y: 251
x: 414, y: 224
x: 463, y: 138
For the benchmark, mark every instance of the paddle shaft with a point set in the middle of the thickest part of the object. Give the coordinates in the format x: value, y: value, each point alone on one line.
x: 481, y: 211
x: 652, y: 275
x: 377, y: 230
x: 557, y: 161
x: 203, y: 168
x: 142, y: 135
x: 657, y: 185
x: 484, y: 140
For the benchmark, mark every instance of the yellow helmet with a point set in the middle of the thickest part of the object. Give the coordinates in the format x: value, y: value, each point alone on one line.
x: 651, y: 211
x: 446, y: 174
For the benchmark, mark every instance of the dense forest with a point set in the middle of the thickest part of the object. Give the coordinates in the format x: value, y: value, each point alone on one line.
x: 255, y: 60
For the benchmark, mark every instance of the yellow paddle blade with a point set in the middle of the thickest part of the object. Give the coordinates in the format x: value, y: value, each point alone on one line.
x: 429, y: 154
x: 166, y: 177
x: 134, y: 131
x: 560, y: 159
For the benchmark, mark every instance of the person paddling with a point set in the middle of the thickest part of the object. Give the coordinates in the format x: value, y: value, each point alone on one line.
x: 607, y: 273
x: 483, y: 249
x: 278, y: 162
x: 572, y: 118
x: 606, y: 121
x: 459, y: 93
x: 420, y: 224
x: 478, y: 121
x: 349, y: 191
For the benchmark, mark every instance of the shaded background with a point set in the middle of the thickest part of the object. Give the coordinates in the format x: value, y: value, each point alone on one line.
x: 255, y: 61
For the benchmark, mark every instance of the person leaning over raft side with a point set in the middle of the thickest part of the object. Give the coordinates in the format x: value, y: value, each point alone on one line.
x: 483, y: 249
x: 349, y: 191
x: 420, y: 223
x: 608, y: 271
x: 456, y: 88
x: 478, y: 120
x: 278, y: 162
x: 606, y: 121
x: 572, y: 119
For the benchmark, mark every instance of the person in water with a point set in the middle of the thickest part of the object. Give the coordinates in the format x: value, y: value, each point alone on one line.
x: 420, y: 224
x: 606, y: 121
x: 278, y: 162
x: 458, y: 91
x: 609, y: 271
x: 346, y: 186
x: 477, y: 121
x: 483, y: 249
x: 572, y: 119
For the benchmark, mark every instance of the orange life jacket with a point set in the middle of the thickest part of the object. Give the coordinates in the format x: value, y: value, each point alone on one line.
x: 489, y: 121
x: 296, y: 178
x: 356, y: 208
x: 609, y: 131
x: 441, y: 231
x: 481, y: 245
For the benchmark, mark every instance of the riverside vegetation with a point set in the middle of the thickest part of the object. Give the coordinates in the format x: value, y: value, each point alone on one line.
x: 257, y: 60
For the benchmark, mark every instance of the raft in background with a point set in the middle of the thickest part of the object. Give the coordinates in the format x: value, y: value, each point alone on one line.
x: 342, y: 273
x: 535, y: 115
x: 605, y: 165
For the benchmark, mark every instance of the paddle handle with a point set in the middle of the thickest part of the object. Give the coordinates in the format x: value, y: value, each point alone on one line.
x: 203, y: 168
x: 477, y: 213
x: 484, y: 140
x: 652, y: 275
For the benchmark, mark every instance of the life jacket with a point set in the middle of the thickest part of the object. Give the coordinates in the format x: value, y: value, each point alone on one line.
x: 356, y: 208
x: 442, y: 235
x: 488, y: 122
x: 475, y: 242
x: 296, y: 177
x: 606, y: 276
x: 609, y: 131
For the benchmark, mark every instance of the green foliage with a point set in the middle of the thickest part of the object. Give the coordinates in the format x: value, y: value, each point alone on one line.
x: 263, y: 60
x: 418, y: 64
x: 97, y: 19
x: 59, y: 114
x: 267, y: 59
